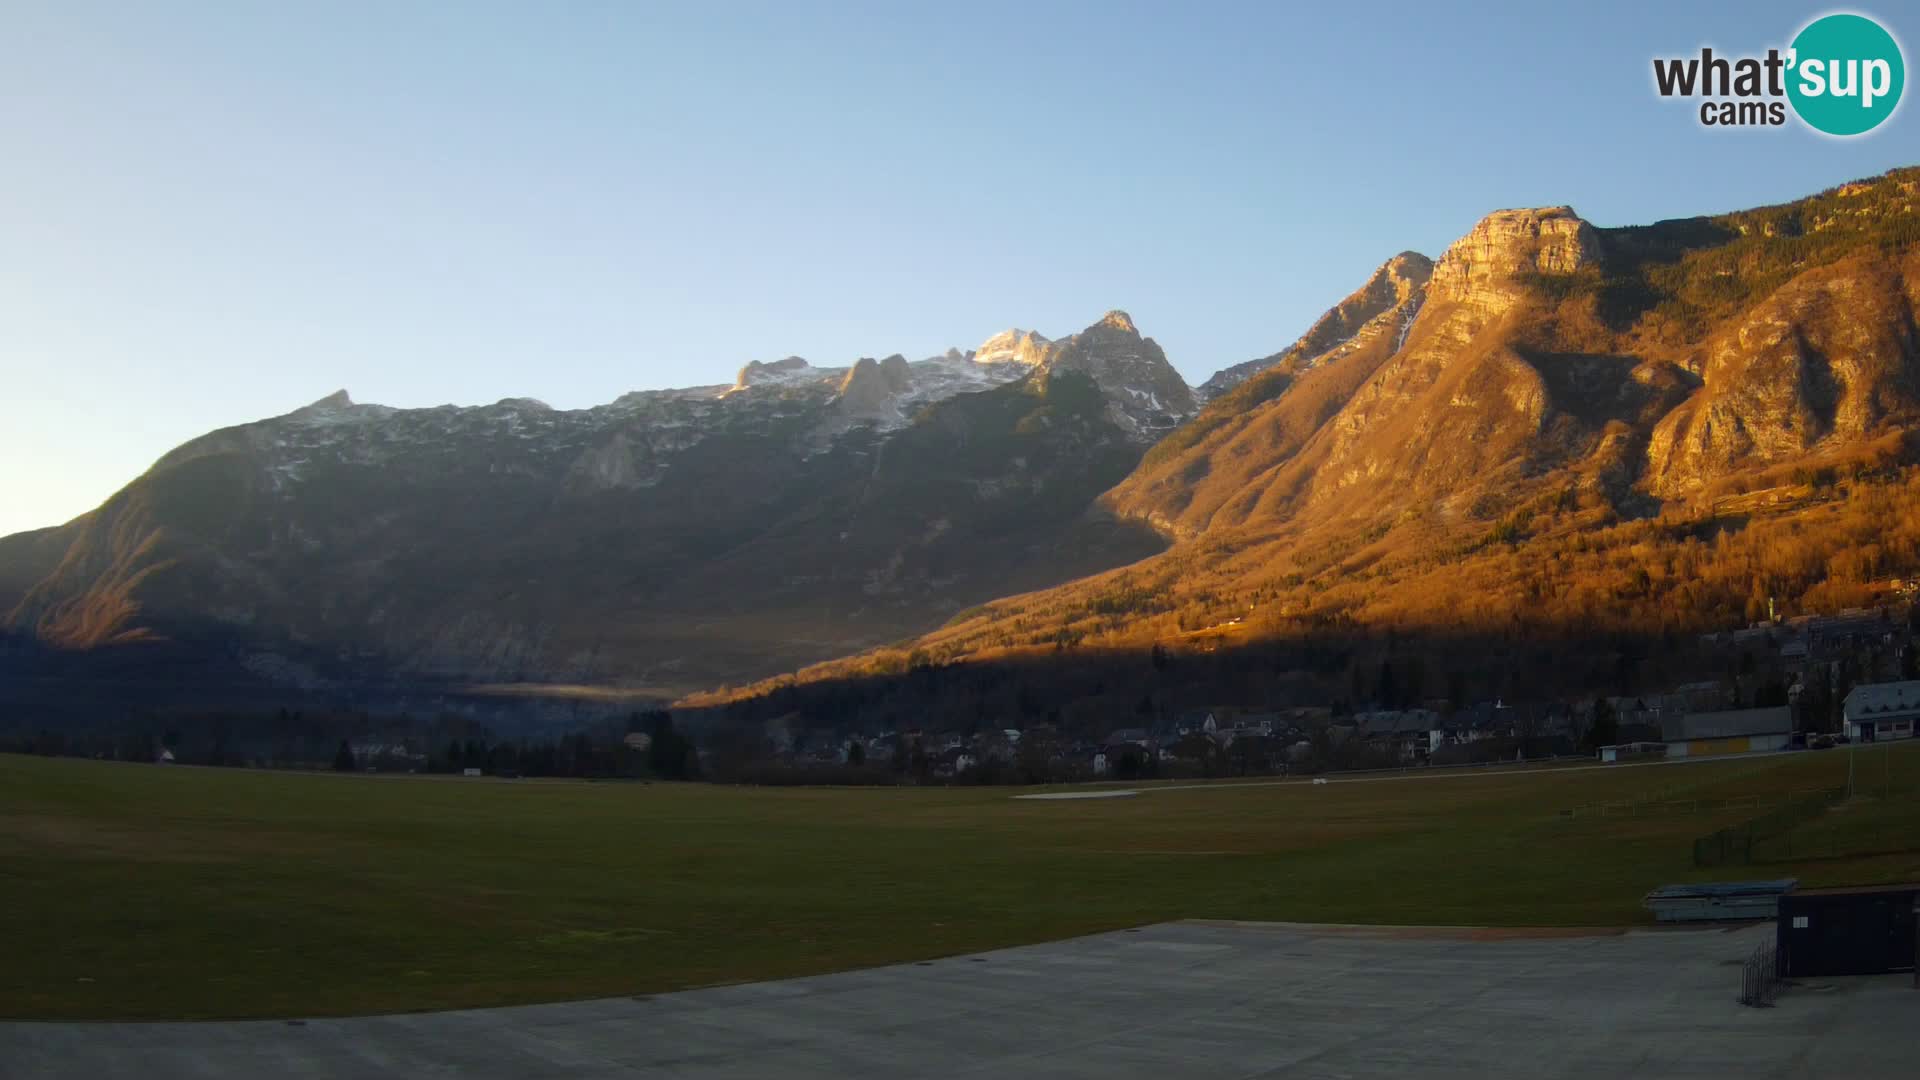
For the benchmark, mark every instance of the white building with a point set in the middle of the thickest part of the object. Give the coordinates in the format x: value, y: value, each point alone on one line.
x: 1880, y: 711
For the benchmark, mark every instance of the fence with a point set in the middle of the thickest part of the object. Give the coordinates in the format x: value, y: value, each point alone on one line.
x: 1760, y: 977
x: 1848, y: 841
x: 1675, y: 799
x: 1770, y: 837
x: 1734, y: 844
x: 1676, y: 807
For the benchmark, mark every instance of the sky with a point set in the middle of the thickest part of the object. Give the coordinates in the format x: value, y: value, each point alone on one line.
x: 216, y: 212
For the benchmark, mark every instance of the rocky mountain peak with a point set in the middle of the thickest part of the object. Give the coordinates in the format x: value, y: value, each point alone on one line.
x: 1145, y: 396
x: 1398, y: 283
x: 870, y: 386
x: 1404, y: 273
x: 759, y: 372
x: 1016, y: 346
x: 339, y: 399
x: 1480, y: 265
x: 335, y: 407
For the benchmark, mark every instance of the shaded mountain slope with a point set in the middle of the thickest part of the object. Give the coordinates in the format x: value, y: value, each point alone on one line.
x: 670, y: 539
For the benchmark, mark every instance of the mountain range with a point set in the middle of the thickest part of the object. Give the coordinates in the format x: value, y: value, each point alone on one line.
x: 1650, y: 430
x: 1552, y: 420
x: 666, y: 541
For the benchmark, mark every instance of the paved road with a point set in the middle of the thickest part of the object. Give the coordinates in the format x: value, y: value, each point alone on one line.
x: 1543, y: 768
x: 1179, y: 999
x: 1455, y: 772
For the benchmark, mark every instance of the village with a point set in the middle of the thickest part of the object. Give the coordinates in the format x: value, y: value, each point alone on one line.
x: 1808, y: 682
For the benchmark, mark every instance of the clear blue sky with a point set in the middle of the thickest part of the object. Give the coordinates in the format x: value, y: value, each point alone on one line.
x: 211, y: 213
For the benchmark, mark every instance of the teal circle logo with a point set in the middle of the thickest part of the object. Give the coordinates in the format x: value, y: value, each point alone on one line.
x: 1846, y: 74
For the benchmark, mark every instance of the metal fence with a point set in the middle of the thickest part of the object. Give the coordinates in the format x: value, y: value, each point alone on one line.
x: 1760, y: 977
x: 1675, y: 807
x: 1734, y: 844
x: 1770, y: 837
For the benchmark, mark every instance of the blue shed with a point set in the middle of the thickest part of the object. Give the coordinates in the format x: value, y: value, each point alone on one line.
x: 1717, y: 901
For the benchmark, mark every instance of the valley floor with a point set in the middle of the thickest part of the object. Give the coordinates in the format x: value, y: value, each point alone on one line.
x: 162, y: 893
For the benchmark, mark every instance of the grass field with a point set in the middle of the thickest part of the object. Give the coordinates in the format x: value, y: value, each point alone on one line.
x: 132, y: 891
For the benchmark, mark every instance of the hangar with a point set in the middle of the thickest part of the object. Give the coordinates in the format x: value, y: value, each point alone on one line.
x: 1735, y: 731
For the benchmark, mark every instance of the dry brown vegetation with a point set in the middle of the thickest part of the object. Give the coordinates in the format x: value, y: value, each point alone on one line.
x: 1818, y: 545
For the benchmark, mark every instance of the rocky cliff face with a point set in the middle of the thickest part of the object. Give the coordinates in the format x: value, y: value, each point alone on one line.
x: 1828, y: 359
x: 1455, y: 406
x: 1548, y: 377
x: 1398, y: 281
x: 1481, y: 267
x: 1233, y: 452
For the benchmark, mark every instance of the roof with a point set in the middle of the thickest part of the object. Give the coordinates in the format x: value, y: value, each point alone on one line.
x: 1723, y: 888
x: 1398, y: 721
x: 1848, y: 890
x: 1731, y: 723
x: 1875, y: 700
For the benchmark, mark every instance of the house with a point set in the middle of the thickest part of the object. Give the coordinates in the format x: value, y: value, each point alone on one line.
x: 780, y: 730
x: 1834, y: 636
x: 1632, y: 750
x: 952, y: 761
x: 1879, y: 711
x: 1644, y: 719
x: 1249, y: 726
x: 1486, y: 720
x: 820, y: 744
x: 1408, y: 733
x: 1195, y: 720
x: 1701, y: 696
x: 1266, y: 723
x: 1551, y: 728
x: 1731, y: 731
x: 1132, y: 736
